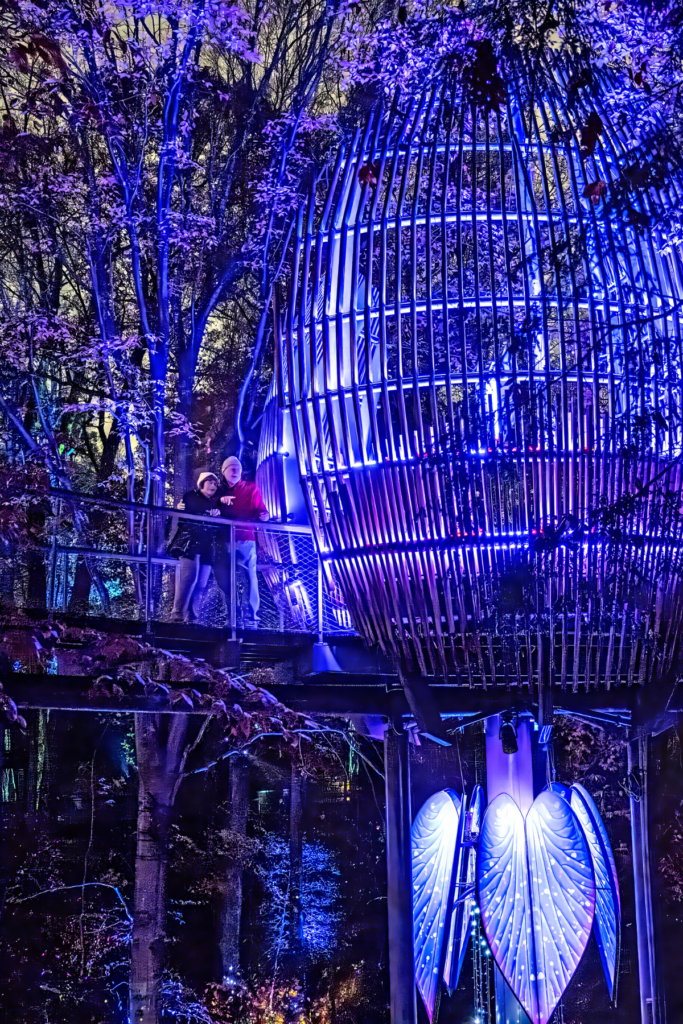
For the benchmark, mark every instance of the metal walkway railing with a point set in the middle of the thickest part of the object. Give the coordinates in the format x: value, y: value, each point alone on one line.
x: 123, y: 548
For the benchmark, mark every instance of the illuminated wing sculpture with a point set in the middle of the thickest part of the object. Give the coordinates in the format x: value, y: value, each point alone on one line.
x: 607, y: 902
x: 436, y: 835
x: 537, y: 897
x: 465, y: 885
x: 504, y: 898
x: 444, y: 871
x: 562, y: 896
x: 543, y: 883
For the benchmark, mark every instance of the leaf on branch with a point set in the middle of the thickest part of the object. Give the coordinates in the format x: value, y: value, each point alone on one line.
x: 181, y: 695
x: 369, y: 173
x: 402, y: 14
x: 579, y: 81
x: 638, y: 78
x: 487, y: 87
x: 49, y: 51
x: 18, y: 55
x: 590, y: 133
x: 595, y: 191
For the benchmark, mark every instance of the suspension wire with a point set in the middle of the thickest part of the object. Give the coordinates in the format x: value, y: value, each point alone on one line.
x: 462, y: 777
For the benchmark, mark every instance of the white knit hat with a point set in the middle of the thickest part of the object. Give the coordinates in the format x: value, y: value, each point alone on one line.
x: 205, y: 476
x: 230, y: 458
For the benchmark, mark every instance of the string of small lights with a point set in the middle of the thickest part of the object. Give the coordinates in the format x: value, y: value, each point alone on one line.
x: 482, y: 972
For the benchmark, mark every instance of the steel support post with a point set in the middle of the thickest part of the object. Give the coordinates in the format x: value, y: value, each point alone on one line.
x: 399, y: 879
x: 651, y: 1004
x: 233, y: 585
x: 320, y: 599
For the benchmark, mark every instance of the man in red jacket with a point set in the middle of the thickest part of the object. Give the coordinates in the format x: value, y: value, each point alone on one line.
x: 240, y: 499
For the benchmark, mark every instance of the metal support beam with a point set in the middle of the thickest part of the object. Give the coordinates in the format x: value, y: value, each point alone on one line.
x: 651, y: 1001
x: 399, y: 879
x: 422, y: 702
x: 327, y: 693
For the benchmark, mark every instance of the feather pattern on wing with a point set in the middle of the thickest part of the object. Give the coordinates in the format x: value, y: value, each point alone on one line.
x: 434, y: 837
x: 562, y: 896
x: 607, y: 903
x: 504, y: 898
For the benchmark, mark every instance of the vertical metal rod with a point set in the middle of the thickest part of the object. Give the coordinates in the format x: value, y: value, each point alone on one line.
x: 399, y: 879
x: 651, y: 1011
x: 320, y: 600
x: 233, y: 585
x: 148, y: 581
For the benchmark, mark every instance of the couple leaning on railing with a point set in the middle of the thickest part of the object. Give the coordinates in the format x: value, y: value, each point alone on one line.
x: 201, y: 548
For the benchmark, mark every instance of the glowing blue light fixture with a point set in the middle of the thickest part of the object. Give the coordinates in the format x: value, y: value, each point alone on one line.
x: 435, y: 838
x: 544, y: 879
x: 443, y: 887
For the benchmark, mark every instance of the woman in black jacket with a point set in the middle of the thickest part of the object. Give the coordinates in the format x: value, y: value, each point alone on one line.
x: 194, y: 546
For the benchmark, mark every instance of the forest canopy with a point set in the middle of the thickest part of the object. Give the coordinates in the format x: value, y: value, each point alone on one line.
x: 153, y: 159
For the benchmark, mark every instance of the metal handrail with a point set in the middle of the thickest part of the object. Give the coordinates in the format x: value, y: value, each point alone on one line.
x: 273, y: 525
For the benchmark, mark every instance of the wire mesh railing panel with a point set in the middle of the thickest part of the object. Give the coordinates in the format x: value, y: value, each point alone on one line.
x: 107, y: 559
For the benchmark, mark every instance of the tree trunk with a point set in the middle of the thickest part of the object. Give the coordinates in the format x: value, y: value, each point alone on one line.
x: 181, y: 471
x: 37, y: 580
x: 181, y: 443
x: 38, y: 759
x: 231, y: 896
x: 159, y: 744
x: 79, y: 598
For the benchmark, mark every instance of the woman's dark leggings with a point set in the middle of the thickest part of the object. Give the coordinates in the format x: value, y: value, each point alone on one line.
x: 192, y: 578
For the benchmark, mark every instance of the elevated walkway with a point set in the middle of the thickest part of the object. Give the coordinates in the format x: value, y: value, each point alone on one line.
x: 304, y: 629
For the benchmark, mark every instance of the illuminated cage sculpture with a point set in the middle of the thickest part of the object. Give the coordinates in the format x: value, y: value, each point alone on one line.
x: 478, y: 391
